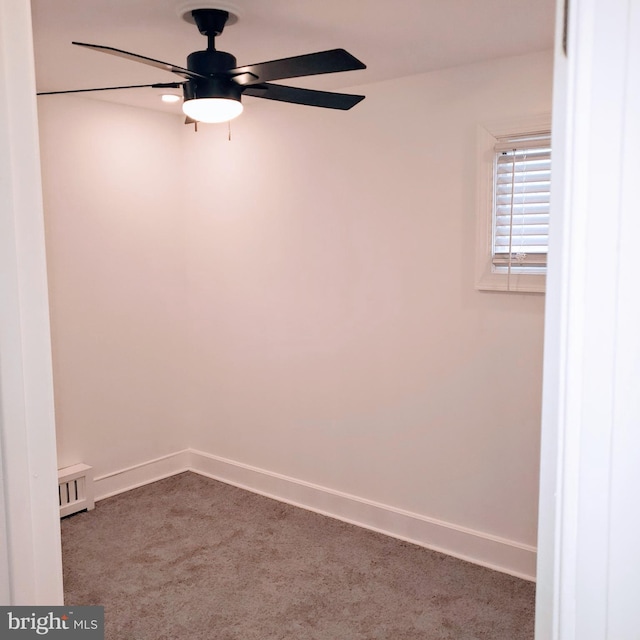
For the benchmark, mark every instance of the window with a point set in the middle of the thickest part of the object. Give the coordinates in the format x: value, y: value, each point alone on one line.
x: 513, y: 207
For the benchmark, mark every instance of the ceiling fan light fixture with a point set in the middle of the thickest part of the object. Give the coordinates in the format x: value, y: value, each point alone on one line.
x: 213, y: 84
x: 212, y: 110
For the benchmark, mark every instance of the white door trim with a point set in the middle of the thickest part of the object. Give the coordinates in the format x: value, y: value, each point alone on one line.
x: 31, y: 564
x: 589, y: 527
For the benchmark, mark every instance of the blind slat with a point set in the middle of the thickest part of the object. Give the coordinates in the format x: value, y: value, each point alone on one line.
x: 521, y: 199
x: 525, y: 186
x: 523, y: 242
x: 529, y: 208
x: 539, y: 232
x: 525, y: 178
x: 505, y: 162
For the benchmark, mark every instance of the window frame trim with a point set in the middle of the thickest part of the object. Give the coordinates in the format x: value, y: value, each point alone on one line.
x: 487, y: 278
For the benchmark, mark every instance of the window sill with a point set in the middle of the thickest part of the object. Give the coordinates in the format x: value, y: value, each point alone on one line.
x: 518, y: 282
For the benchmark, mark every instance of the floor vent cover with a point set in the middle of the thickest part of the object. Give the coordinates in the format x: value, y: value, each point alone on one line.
x: 75, y: 489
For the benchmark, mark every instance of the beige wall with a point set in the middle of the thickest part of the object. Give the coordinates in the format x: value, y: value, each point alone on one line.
x: 300, y: 299
x: 334, y: 266
x: 111, y: 179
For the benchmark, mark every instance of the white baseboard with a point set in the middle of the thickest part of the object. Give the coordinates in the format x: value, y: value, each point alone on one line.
x: 480, y: 548
x: 138, y: 475
x: 474, y: 546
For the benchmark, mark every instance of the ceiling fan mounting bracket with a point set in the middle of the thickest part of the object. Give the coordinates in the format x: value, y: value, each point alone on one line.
x: 185, y: 10
x: 210, y: 22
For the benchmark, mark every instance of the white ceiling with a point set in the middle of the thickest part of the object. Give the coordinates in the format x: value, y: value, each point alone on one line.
x: 393, y: 39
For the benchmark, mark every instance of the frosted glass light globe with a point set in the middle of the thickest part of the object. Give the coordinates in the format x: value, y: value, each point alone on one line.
x: 211, y: 110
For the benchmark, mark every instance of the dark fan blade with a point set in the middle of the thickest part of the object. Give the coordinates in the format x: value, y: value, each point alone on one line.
x: 309, y: 97
x: 181, y: 71
x: 161, y: 85
x: 310, y: 64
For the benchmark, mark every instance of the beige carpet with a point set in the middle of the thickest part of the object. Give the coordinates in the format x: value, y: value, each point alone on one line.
x: 189, y: 557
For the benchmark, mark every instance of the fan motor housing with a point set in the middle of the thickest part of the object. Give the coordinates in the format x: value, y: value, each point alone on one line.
x: 219, y: 87
x: 210, y: 62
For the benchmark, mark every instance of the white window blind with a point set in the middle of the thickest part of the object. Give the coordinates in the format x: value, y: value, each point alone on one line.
x: 522, y: 185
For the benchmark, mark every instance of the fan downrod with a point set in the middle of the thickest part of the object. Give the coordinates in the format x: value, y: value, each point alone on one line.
x: 210, y: 23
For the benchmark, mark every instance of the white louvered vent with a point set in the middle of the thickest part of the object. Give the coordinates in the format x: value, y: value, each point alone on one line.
x: 75, y: 489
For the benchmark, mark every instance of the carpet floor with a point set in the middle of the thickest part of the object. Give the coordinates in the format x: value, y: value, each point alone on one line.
x: 189, y: 557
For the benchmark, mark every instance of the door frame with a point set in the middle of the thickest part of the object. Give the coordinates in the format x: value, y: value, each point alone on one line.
x: 589, y: 520
x: 30, y: 559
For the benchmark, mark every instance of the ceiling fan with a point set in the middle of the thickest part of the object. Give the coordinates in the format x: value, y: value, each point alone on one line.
x: 213, y: 85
